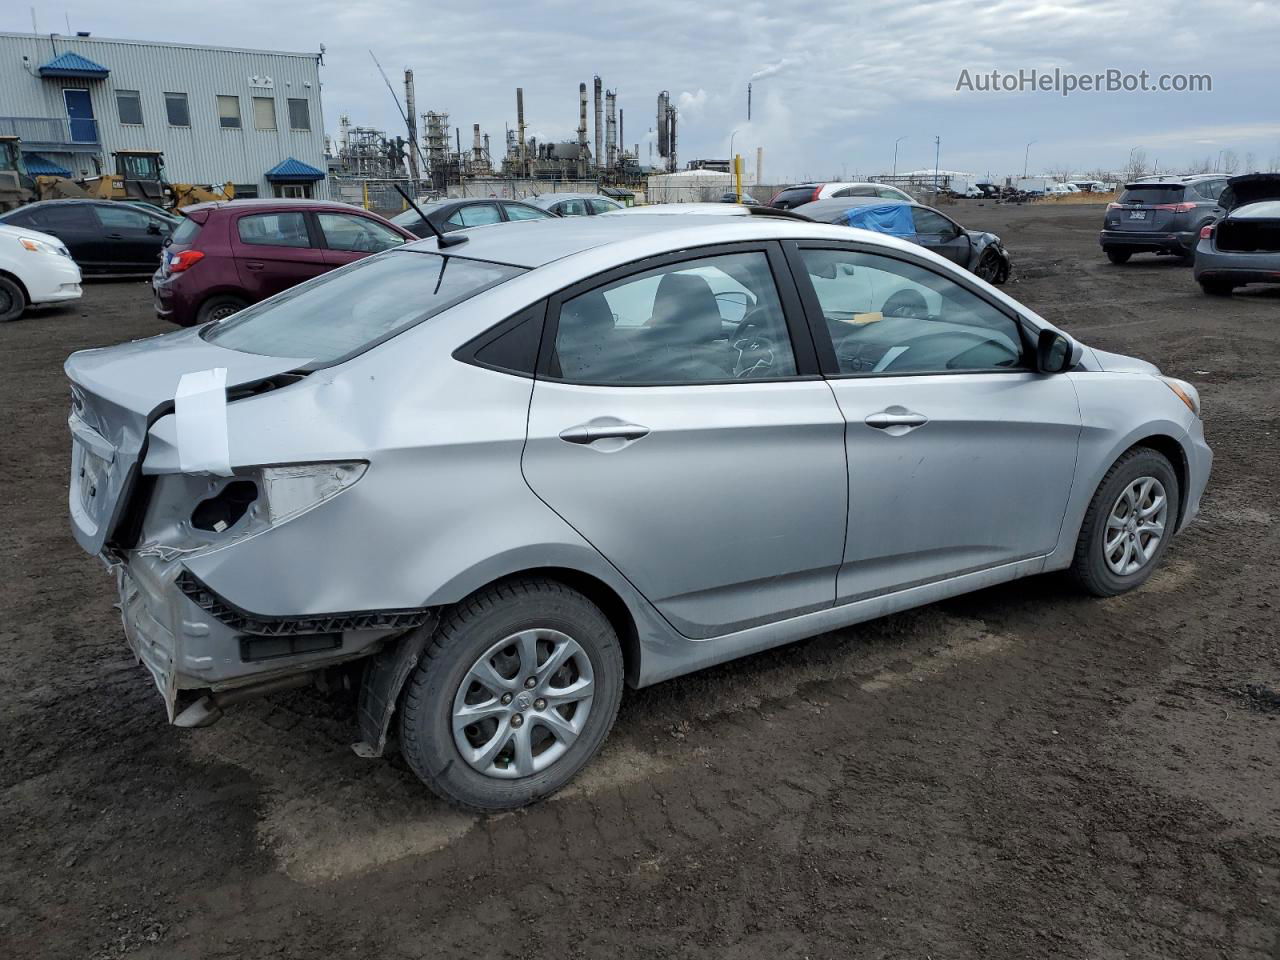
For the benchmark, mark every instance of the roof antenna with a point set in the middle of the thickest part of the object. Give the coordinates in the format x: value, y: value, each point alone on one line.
x: 442, y: 240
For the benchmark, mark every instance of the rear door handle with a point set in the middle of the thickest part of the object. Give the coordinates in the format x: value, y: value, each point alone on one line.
x: 254, y: 264
x: 591, y: 432
x: 115, y: 236
x: 896, y: 420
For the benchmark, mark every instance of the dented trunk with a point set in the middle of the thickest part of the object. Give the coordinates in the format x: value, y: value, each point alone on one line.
x: 117, y: 393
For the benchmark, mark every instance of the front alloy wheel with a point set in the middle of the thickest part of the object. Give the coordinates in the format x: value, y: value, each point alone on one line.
x: 1135, y: 526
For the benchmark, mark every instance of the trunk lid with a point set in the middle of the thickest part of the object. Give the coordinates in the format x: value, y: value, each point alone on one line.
x: 1250, y: 188
x: 116, y: 394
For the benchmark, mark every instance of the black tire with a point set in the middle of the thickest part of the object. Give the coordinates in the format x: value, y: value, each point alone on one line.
x: 12, y: 300
x: 1089, y: 566
x: 219, y: 308
x: 1117, y: 256
x: 1216, y: 288
x: 463, y: 637
x: 991, y: 268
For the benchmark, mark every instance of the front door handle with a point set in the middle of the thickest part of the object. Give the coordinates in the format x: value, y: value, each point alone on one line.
x: 591, y: 432
x: 896, y: 421
x: 254, y: 264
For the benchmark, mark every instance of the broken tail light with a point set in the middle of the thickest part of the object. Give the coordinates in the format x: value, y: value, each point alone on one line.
x: 185, y: 260
x: 1206, y: 231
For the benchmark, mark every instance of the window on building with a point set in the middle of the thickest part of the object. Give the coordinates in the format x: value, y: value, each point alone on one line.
x: 246, y: 191
x: 129, y: 106
x: 264, y: 113
x: 299, y: 114
x: 229, y: 111
x: 293, y: 191
x: 175, y: 105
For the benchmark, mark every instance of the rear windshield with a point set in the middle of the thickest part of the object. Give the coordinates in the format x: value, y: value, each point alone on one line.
x: 1155, y: 193
x: 186, y: 232
x: 795, y: 195
x: 351, y: 309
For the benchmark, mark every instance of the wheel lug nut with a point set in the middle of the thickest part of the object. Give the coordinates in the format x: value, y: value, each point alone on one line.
x: 506, y: 698
x: 531, y: 682
x: 517, y: 720
x: 539, y: 704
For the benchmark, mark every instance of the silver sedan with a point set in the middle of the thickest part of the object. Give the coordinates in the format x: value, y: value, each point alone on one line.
x: 509, y: 476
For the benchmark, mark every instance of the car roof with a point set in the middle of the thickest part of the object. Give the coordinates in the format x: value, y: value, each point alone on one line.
x: 533, y: 243
x: 274, y: 203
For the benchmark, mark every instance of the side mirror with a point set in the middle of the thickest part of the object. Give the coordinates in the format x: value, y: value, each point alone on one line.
x: 1056, y: 352
x: 153, y: 227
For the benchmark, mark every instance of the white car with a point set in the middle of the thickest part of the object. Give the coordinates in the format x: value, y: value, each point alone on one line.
x: 809, y: 192
x: 35, y: 269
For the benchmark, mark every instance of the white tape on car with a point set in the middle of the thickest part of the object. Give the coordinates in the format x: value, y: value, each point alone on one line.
x: 200, y: 406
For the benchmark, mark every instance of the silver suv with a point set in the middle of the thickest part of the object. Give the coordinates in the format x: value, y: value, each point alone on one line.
x: 509, y: 475
x: 1161, y: 215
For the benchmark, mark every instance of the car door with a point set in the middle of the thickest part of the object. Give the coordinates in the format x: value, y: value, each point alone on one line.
x: 350, y: 236
x: 131, y: 240
x: 275, y: 250
x: 702, y: 457
x: 76, y: 226
x: 941, y: 235
x: 961, y: 457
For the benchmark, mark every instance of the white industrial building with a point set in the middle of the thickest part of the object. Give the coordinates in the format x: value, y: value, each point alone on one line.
x: 252, y: 117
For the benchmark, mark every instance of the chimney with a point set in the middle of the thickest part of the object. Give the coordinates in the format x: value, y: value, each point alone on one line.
x: 759, y: 165
x: 524, y: 171
x: 599, y: 154
x: 582, y: 131
x: 411, y: 117
x: 622, y: 140
x: 664, y: 125
x: 611, y: 128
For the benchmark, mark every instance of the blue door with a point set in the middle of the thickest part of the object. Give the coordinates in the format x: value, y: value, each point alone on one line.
x: 84, y: 129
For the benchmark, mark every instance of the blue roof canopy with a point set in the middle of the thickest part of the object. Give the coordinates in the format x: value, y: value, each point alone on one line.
x: 38, y: 166
x: 73, y: 65
x: 292, y: 169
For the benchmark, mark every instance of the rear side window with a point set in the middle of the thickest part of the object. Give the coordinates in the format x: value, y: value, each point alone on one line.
x: 72, y: 216
x: 282, y: 229
x: 1156, y: 193
x: 186, y: 232
x: 857, y: 192
x: 345, y: 312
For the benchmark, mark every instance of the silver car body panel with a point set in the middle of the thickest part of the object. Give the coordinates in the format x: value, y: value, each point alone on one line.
x: 750, y: 530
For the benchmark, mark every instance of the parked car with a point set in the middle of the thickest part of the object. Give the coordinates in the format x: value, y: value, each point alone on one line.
x: 227, y: 255
x: 1243, y: 247
x: 35, y: 269
x: 809, y: 192
x: 979, y: 252
x: 1162, y: 216
x: 746, y: 199
x: 450, y: 215
x: 105, y: 237
x: 574, y: 204
x: 499, y: 468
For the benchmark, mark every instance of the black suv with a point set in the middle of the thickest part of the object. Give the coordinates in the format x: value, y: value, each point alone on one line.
x: 1161, y: 215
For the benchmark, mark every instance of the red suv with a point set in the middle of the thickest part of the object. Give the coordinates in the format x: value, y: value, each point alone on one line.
x: 227, y: 255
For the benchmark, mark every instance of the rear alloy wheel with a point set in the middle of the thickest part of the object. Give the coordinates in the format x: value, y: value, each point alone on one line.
x: 12, y: 300
x: 1216, y: 288
x: 1128, y: 525
x: 219, y: 308
x: 1117, y: 256
x: 516, y: 692
x: 991, y: 268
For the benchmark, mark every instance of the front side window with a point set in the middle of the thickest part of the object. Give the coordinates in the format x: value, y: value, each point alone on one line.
x: 697, y: 321
x: 343, y: 231
x: 933, y: 224
x: 129, y: 106
x: 299, y: 114
x: 518, y: 211
x: 603, y: 206
x: 284, y: 229
x: 264, y: 113
x: 229, y: 111
x: 348, y: 310
x: 888, y: 316
x: 175, y: 107
x: 572, y: 208
x: 476, y: 215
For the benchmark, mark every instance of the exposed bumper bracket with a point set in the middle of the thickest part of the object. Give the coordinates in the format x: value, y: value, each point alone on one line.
x: 384, y: 677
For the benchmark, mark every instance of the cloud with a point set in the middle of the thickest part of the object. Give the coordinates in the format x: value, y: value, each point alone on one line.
x: 773, y: 69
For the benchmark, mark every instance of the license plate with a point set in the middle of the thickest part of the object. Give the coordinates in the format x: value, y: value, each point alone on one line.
x: 1137, y: 214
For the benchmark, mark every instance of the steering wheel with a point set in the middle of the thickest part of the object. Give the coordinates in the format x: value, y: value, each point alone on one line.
x: 755, y: 351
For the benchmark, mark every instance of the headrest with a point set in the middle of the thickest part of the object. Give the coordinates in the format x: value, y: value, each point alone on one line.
x: 587, y: 317
x: 685, y: 310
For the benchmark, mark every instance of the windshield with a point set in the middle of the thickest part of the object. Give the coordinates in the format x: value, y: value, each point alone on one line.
x: 351, y: 309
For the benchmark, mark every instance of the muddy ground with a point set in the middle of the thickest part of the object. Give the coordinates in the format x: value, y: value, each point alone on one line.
x: 1022, y: 772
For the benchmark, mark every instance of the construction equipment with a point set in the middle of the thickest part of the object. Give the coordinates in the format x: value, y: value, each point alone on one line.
x: 139, y: 175
x: 16, y: 185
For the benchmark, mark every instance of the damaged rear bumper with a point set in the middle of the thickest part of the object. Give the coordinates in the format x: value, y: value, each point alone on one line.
x: 189, y: 639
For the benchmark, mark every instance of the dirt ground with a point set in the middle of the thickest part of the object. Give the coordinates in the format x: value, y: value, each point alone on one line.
x: 1022, y: 772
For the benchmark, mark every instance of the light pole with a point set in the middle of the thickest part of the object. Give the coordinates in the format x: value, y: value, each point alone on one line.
x: 1026, y: 156
x: 895, y: 154
x: 733, y: 166
x: 937, y: 157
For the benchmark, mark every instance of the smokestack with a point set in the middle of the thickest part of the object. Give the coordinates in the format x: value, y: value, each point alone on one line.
x: 599, y: 154
x: 411, y: 118
x: 520, y: 129
x: 748, y: 103
x: 664, y: 146
x: 672, y: 114
x: 582, y: 131
x: 622, y: 140
x: 611, y: 127
x: 477, y: 147
x: 759, y: 165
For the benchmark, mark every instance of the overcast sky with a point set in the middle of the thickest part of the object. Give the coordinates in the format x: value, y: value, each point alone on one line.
x: 836, y: 85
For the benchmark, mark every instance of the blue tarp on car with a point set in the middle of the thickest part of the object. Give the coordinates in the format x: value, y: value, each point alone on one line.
x: 891, y: 218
